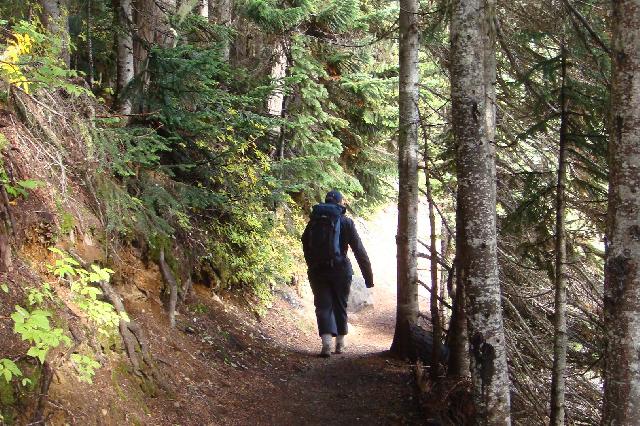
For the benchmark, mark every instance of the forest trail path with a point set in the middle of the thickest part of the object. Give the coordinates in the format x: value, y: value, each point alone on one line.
x: 362, y: 386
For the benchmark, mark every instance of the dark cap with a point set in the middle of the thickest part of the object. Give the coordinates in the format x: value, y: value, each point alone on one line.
x: 333, y: 196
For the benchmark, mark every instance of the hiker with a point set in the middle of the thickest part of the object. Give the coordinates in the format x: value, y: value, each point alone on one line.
x: 325, y: 242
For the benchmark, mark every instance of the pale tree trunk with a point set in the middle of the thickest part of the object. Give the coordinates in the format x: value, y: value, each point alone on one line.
x: 407, y: 300
x: 277, y: 99
x: 202, y: 8
x: 477, y: 254
x: 124, y: 16
x: 560, y: 318
x: 55, y: 18
x: 622, y: 270
x: 224, y: 12
x: 490, y: 70
x: 151, y: 19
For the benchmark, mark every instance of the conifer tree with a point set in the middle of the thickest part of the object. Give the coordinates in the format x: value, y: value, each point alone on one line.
x: 477, y: 250
x: 407, y: 302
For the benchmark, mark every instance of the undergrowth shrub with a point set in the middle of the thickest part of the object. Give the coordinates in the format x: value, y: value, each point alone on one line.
x: 31, y: 60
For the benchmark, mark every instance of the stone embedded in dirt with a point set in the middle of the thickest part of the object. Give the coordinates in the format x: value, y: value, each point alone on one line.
x: 290, y: 297
x: 359, y: 296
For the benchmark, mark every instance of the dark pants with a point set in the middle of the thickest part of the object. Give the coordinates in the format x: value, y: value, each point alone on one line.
x: 330, y: 294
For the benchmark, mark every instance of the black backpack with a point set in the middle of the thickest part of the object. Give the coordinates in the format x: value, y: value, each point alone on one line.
x: 321, y: 238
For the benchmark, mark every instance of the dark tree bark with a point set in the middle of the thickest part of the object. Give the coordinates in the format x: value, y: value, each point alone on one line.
x: 560, y: 319
x: 457, y: 337
x: 436, y: 325
x: 622, y: 267
x: 407, y: 302
x: 477, y: 251
x: 89, y: 45
x: 46, y: 376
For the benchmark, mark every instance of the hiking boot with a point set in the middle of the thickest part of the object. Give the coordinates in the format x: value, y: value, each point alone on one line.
x: 326, y: 345
x: 340, y: 344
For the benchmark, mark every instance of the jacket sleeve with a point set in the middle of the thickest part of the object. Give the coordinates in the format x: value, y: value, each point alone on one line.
x: 361, y: 254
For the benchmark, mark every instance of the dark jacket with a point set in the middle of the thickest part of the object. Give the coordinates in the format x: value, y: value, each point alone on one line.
x: 349, y: 238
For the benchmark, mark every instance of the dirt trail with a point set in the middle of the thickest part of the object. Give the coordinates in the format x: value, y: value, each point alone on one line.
x: 362, y: 386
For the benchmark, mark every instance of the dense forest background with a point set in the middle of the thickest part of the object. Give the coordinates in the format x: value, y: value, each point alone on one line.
x: 200, y: 133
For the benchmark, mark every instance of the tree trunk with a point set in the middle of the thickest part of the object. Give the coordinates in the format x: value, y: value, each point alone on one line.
x: 436, y: 325
x: 560, y: 319
x: 622, y: 270
x: 276, y: 101
x: 89, y: 45
x: 151, y: 20
x: 477, y: 253
x: 224, y: 12
x: 202, y: 8
x: 55, y: 18
x: 490, y: 69
x: 407, y: 302
x: 445, y: 245
x: 457, y: 337
x: 124, y: 16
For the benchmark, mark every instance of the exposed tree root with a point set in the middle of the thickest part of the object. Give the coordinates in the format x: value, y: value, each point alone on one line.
x: 45, y: 381
x: 170, y: 280
x: 132, y: 335
x: 131, y: 332
x: 188, y: 284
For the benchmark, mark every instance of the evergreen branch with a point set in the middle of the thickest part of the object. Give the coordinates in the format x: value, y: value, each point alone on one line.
x: 588, y: 27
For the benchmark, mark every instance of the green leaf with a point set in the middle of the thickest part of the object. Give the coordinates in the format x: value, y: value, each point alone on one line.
x: 30, y: 184
x: 4, y: 287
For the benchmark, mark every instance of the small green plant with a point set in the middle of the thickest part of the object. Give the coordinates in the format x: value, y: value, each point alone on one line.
x: 67, y: 223
x: 37, y: 296
x: 82, y: 284
x: 85, y: 367
x: 35, y: 328
x: 199, y: 308
x: 9, y: 369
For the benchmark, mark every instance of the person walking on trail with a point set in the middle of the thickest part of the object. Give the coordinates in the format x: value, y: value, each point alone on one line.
x: 325, y: 243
